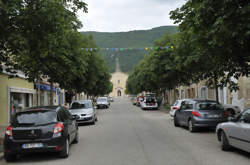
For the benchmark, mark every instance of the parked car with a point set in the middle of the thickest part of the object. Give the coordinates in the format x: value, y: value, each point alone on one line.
x: 40, y: 129
x: 232, y: 110
x: 111, y: 99
x: 102, y: 102
x: 176, y: 106
x: 149, y: 103
x: 133, y: 100
x: 197, y: 113
x: 85, y: 110
x: 139, y: 100
x: 235, y: 132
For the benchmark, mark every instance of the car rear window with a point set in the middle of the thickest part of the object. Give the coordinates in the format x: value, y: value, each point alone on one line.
x: 35, y: 118
x: 176, y: 103
x: 150, y: 100
x: 209, y: 106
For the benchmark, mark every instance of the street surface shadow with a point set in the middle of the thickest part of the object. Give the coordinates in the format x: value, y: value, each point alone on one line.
x: 37, y: 157
x: 239, y: 152
x: 201, y: 130
x: 85, y: 124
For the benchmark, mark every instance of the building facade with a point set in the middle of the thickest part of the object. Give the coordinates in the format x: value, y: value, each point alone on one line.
x: 119, y: 84
x: 240, y: 98
x: 18, y: 93
x: 15, y: 94
x: 118, y: 80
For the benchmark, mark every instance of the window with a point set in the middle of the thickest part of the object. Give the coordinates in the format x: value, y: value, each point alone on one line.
x: 77, y: 105
x: 118, y: 81
x: 204, y: 92
x: 35, y: 117
x: 245, y: 117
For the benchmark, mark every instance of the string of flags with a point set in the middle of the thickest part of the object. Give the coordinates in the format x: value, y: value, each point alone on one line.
x: 131, y: 49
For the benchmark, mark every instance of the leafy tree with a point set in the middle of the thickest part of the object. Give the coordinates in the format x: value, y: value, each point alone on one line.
x: 216, y: 49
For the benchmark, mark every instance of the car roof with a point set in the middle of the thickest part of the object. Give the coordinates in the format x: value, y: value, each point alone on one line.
x: 41, y: 108
x: 82, y: 101
x: 102, y: 98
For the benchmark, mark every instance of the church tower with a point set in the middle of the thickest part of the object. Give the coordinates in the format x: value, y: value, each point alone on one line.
x: 119, y: 81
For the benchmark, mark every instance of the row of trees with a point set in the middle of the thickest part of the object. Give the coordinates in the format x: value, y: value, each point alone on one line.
x: 40, y: 38
x: 212, y: 45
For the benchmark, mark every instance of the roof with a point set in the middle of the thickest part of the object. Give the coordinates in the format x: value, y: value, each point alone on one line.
x: 41, y: 108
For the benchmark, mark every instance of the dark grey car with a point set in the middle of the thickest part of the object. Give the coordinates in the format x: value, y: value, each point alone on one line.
x: 199, y: 113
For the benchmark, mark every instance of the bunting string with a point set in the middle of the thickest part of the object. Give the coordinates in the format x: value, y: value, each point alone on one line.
x: 130, y: 49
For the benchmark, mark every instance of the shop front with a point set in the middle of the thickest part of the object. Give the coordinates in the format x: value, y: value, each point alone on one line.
x: 16, y: 94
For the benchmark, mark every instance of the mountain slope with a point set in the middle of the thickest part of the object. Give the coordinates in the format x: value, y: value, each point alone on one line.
x: 131, y: 39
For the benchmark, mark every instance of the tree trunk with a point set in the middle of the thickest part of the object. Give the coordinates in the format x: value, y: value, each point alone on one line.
x: 216, y: 89
x: 38, y: 92
x: 51, y: 94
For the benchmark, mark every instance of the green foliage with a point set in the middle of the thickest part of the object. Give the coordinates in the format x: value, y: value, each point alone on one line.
x: 217, y: 36
x: 41, y: 39
x: 212, y: 45
x: 133, y: 39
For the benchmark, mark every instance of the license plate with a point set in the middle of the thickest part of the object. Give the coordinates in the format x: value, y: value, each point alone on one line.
x: 32, y: 145
x: 213, y: 116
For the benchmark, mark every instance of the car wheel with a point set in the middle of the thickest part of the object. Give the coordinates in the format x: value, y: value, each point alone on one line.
x: 93, y: 122
x: 10, y: 157
x: 96, y: 119
x: 225, y: 146
x: 65, y: 151
x: 191, y: 127
x: 176, y: 123
x: 76, y: 140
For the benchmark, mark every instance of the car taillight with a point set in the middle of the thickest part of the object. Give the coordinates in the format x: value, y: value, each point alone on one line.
x: 59, y: 127
x: 175, y: 108
x: 195, y: 113
x: 8, y: 131
x: 226, y: 113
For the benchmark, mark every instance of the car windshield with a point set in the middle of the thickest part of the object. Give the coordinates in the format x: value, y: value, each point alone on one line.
x: 77, y: 105
x: 102, y: 99
x: 209, y: 106
x: 35, y: 118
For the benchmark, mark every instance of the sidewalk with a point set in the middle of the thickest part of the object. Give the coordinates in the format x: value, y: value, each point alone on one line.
x: 2, y: 129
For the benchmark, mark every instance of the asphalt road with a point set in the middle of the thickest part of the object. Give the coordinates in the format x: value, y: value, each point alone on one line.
x: 126, y: 135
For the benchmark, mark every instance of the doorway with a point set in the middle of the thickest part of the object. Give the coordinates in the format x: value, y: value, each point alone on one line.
x: 119, y: 93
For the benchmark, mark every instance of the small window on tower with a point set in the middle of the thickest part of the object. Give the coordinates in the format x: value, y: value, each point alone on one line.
x: 118, y: 81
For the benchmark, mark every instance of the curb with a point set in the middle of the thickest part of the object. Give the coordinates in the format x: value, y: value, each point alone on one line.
x: 1, y: 148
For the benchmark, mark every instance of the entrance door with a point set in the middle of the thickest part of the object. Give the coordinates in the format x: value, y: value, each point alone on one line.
x: 119, y: 93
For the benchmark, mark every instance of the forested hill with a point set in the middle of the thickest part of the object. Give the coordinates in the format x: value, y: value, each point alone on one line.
x: 131, y: 39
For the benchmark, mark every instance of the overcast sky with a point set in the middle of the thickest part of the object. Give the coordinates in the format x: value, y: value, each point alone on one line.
x: 126, y: 15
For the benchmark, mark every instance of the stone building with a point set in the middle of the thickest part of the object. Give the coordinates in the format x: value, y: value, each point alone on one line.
x: 119, y: 82
x: 239, y: 98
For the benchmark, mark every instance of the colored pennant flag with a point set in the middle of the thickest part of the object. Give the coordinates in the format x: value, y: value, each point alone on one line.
x: 172, y: 47
x: 146, y: 49
x: 91, y: 49
x: 87, y: 49
x: 167, y: 47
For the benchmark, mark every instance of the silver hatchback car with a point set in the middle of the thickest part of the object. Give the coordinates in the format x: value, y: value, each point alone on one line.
x: 85, y: 110
x: 236, y: 132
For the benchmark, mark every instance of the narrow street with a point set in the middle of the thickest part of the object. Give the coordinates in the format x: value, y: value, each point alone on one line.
x: 126, y: 135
